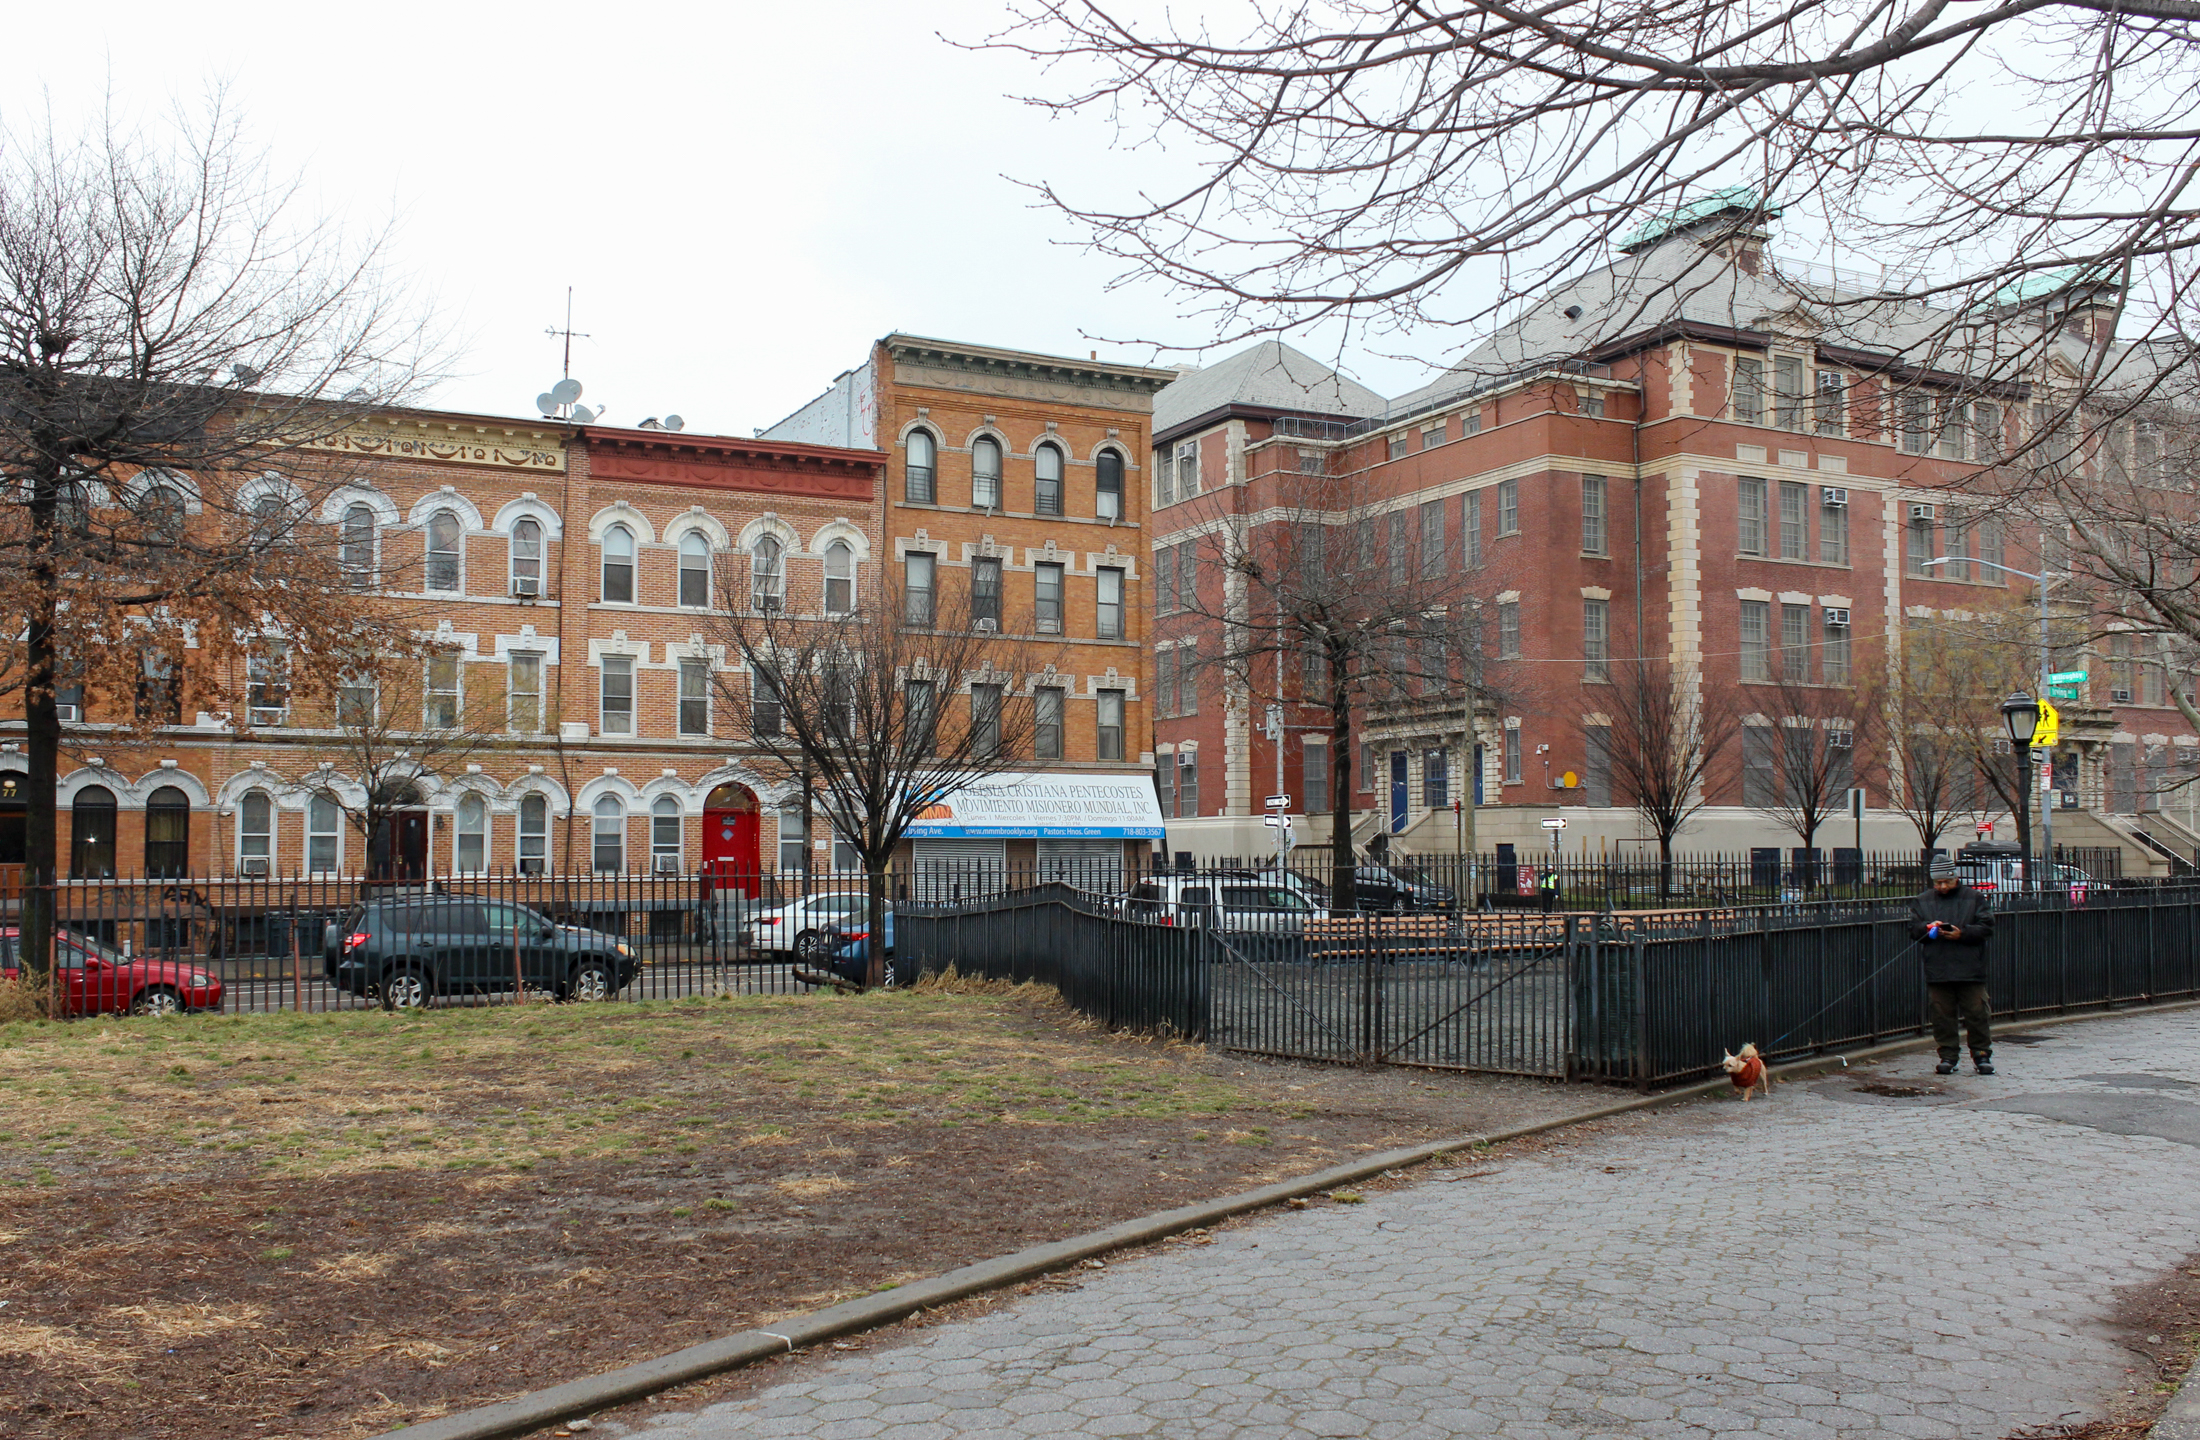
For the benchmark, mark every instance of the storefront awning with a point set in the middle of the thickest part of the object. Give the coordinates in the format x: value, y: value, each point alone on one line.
x: 1096, y: 807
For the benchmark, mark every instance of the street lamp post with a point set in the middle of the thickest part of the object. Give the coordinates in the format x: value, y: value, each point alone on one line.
x: 2021, y: 714
x: 2047, y: 794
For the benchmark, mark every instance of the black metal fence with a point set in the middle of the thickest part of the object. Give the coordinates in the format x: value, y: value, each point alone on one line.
x: 1648, y: 1000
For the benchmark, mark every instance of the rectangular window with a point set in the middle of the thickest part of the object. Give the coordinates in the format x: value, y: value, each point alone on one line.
x: 1794, y: 521
x: 794, y: 838
x: 1187, y: 470
x: 1110, y: 726
x: 694, y: 697
x: 267, y: 682
x: 1955, y: 423
x: 1397, y: 445
x: 1749, y: 390
x: 1596, y: 621
x: 765, y: 711
x: 1186, y: 700
x: 1830, y: 410
x: 985, y: 592
x: 322, y: 822
x: 918, y: 570
x: 1047, y: 588
x: 1435, y: 780
x: 1047, y: 722
x: 1955, y: 547
x: 1397, y: 547
x: 1108, y: 616
x: 1914, y: 423
x: 2150, y: 684
x: 1046, y: 496
x: 1164, y: 671
x: 1920, y: 542
x: 1749, y: 522
x: 985, y: 720
x: 1590, y: 402
x: 1164, y: 783
x: 1512, y: 754
x: 1756, y: 622
x: 1508, y: 507
x: 1759, y: 788
x: 1787, y: 392
x: 1187, y: 783
x: 1187, y: 575
x: 534, y: 835
x: 523, y: 693
x: 618, y: 695
x: 1432, y: 435
x: 1989, y: 549
x: 1314, y: 779
x: 159, y: 695
x: 1508, y: 630
x: 1164, y: 582
x: 1432, y: 539
x: 357, y: 698
x: 1470, y: 524
x: 443, y: 691
x: 1836, y: 658
x: 1164, y: 478
x: 1470, y: 422
x: 921, y: 715
x: 1311, y: 463
x: 1833, y: 534
x: 1986, y: 434
x: 1795, y: 644
x: 1593, y: 539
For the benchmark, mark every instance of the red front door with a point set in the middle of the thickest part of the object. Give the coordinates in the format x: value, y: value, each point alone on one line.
x: 732, y: 839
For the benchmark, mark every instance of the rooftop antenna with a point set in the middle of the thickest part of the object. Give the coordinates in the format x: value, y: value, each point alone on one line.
x: 568, y: 333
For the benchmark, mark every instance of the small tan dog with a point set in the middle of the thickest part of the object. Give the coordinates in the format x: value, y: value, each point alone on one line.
x: 1747, y: 1071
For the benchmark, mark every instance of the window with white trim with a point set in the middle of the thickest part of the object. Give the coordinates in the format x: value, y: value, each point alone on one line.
x: 470, y: 856
x: 767, y: 575
x: 666, y: 831
x: 443, y: 694
x: 523, y: 692
x: 1047, y: 480
x: 607, y: 835
x: 1108, y: 485
x: 444, y: 534
x: 616, y: 708
x: 355, y: 546
x: 985, y: 473
x: 920, y: 472
x: 526, y: 556
x: 840, y: 578
x: 534, y: 835
x: 618, y: 565
x: 324, y: 834
x: 256, y: 833
x: 694, y: 697
x: 695, y: 570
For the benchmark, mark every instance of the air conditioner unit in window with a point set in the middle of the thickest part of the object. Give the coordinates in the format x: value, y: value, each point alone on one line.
x: 264, y: 715
x: 1921, y: 512
x: 252, y: 865
x: 1840, y: 739
x: 1837, y: 615
x: 527, y: 587
x: 69, y: 714
x: 1834, y: 496
x: 2119, y: 697
x: 2001, y: 746
x: 666, y: 864
x: 987, y: 627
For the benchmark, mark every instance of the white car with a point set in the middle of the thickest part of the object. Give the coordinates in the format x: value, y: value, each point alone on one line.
x: 802, y: 928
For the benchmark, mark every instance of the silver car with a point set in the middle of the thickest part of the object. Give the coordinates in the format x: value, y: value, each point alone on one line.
x: 1244, y: 904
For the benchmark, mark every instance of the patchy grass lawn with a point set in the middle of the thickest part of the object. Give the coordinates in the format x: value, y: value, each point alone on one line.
x: 333, y: 1224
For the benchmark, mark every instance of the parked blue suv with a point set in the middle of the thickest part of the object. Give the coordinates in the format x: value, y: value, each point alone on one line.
x: 406, y: 952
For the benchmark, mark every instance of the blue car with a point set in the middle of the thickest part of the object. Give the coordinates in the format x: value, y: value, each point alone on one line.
x: 850, y: 955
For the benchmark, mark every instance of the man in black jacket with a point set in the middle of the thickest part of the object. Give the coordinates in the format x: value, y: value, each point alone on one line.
x: 1951, y: 924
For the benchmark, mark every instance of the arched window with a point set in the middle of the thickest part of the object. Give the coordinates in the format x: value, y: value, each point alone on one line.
x: 767, y: 575
x: 534, y: 835
x: 324, y: 822
x: 167, y: 834
x: 664, y: 836
x: 920, y: 474
x: 695, y: 570
x: 1048, y: 468
x: 608, y: 853
x: 162, y: 509
x: 472, y: 856
x: 255, y: 834
x: 355, y: 546
x: 985, y: 473
x: 1108, y: 478
x: 618, y: 565
x: 527, y: 557
x: 92, y: 834
x: 443, y: 533
x: 840, y: 578
x: 272, y: 521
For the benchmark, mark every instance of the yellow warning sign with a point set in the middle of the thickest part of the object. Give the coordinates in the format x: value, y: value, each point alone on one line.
x: 2049, y: 730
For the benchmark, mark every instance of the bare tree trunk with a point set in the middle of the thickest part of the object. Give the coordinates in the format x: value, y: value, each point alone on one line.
x: 874, y: 868
x: 42, y: 745
x: 1343, y: 894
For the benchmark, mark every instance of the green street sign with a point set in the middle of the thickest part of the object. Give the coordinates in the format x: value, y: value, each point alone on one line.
x: 2064, y: 692
x: 2067, y: 677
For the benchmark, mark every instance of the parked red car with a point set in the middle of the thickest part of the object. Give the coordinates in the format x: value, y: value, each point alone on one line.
x: 97, y: 979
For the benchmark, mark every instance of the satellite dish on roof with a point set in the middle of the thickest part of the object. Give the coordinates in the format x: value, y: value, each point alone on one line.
x: 674, y: 422
x: 565, y: 392
x: 547, y: 404
x: 582, y: 415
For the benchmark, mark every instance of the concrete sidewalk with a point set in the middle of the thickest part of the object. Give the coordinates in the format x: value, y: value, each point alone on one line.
x: 1835, y: 1262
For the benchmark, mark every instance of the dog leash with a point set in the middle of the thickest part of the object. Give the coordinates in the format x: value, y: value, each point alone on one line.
x: 1877, y: 971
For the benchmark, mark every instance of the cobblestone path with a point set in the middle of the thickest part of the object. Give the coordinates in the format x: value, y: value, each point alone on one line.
x: 1832, y: 1263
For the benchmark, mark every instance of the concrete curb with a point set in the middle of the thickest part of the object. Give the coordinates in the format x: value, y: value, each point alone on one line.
x: 526, y: 1413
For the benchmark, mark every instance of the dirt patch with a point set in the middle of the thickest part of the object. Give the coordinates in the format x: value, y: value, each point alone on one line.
x: 1894, y: 1089
x: 332, y: 1225
x: 2159, y: 1323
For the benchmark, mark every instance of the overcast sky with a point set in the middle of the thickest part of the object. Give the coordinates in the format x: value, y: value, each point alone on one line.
x: 742, y: 195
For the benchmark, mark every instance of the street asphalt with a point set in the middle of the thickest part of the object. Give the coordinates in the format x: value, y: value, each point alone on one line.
x: 1938, y: 1261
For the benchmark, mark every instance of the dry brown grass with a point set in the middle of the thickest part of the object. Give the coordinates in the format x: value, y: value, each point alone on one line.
x: 19, y: 1002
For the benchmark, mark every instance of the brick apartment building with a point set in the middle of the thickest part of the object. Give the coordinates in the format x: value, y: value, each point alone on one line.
x: 1667, y: 450
x: 1017, y: 480
x: 570, y: 569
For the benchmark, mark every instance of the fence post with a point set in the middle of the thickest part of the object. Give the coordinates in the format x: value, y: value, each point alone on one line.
x: 1639, y: 1005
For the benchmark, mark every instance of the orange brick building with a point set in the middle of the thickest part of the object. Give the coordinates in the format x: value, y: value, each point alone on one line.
x: 1017, y: 480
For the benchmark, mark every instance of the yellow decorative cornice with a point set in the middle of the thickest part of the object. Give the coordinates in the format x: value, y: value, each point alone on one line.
x: 452, y: 442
